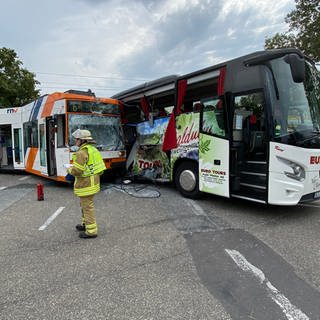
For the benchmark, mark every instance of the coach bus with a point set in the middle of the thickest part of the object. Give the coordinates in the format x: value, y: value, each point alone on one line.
x: 246, y: 128
x: 37, y: 137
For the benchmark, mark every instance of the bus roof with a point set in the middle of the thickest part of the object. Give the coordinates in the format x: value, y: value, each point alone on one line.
x: 146, y: 86
x: 249, y: 59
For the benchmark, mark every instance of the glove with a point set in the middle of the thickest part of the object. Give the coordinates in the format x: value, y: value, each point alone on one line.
x: 69, y: 177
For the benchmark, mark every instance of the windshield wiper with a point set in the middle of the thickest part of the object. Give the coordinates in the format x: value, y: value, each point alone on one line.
x: 300, y: 143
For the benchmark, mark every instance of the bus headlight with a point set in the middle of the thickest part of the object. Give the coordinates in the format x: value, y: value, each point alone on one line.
x: 297, y: 171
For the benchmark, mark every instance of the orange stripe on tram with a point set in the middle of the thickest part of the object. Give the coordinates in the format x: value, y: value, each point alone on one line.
x: 31, y: 158
x: 52, y: 98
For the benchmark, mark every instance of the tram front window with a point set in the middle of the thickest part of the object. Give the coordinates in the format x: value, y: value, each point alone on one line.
x: 106, y: 131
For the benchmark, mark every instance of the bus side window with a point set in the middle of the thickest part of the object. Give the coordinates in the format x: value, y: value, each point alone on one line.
x: 187, y: 107
x: 213, y: 121
x: 197, y: 107
x: 162, y: 112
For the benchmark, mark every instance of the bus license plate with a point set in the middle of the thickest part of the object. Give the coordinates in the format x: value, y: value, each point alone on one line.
x: 316, y: 195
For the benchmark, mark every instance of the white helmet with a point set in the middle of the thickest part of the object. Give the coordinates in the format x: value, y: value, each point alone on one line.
x: 82, y: 134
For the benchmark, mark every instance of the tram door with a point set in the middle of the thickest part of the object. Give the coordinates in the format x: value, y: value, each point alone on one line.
x: 17, y: 147
x: 51, y: 146
x: 42, y: 147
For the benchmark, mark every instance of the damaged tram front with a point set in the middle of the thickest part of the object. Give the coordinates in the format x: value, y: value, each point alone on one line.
x: 37, y: 137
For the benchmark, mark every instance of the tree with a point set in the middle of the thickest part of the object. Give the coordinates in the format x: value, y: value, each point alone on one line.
x: 17, y: 85
x: 304, y: 30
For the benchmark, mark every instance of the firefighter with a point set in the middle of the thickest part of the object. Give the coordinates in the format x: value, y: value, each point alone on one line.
x: 87, y: 168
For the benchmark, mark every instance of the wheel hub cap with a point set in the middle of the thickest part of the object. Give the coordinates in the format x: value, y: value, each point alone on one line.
x: 188, y: 180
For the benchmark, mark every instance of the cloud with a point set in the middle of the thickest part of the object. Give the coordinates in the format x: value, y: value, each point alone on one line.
x: 109, y: 42
x: 186, y: 31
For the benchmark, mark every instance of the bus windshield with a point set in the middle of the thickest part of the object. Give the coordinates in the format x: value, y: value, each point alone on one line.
x: 296, y: 112
x: 106, y: 131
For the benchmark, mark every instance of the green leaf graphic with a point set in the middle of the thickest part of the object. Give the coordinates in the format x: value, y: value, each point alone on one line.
x: 204, y: 146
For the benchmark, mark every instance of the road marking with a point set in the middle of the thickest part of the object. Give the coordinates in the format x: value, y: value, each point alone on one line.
x: 50, y: 219
x: 290, y: 311
x: 2, y: 188
x: 24, y: 178
x: 198, y: 211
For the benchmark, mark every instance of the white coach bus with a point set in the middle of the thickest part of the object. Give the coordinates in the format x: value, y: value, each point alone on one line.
x: 246, y: 128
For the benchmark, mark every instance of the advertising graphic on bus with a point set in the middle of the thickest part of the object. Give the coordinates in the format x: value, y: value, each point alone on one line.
x: 37, y: 137
x: 246, y: 128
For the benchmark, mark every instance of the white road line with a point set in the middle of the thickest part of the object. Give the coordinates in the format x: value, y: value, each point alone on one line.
x: 198, y: 211
x: 290, y: 311
x: 51, y: 219
x: 2, y: 188
x: 24, y: 178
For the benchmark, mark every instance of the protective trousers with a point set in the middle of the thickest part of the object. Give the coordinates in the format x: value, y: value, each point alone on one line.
x: 89, y: 216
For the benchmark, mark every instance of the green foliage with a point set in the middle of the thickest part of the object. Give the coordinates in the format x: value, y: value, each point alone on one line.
x: 17, y: 85
x: 252, y: 103
x: 280, y: 40
x: 304, y: 30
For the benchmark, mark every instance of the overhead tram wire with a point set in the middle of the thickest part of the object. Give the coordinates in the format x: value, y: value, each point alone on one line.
x: 93, y: 77
x: 63, y: 85
x: 74, y: 87
x: 83, y: 87
x: 43, y: 86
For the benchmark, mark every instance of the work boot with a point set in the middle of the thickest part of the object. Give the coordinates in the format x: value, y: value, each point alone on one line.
x: 81, y: 227
x: 84, y: 235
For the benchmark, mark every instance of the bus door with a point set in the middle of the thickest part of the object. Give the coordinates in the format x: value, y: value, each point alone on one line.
x: 249, y: 147
x: 51, y: 146
x: 213, y: 148
x: 17, y: 147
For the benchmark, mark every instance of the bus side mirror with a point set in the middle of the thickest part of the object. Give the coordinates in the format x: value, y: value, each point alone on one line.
x: 297, y: 66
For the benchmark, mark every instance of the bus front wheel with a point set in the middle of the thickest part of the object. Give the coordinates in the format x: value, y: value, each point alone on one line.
x: 187, y: 179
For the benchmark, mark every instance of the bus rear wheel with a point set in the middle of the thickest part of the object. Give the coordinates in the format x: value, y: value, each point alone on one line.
x: 187, y: 179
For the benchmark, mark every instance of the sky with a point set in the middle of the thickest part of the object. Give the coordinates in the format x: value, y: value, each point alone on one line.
x: 112, y: 45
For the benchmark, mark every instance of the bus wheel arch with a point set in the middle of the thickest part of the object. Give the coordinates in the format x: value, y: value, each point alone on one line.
x: 186, y: 178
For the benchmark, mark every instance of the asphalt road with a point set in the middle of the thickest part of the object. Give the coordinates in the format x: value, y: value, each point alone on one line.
x: 157, y: 256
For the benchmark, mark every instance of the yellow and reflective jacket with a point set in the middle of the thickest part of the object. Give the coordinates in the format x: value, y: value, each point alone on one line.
x: 87, y: 167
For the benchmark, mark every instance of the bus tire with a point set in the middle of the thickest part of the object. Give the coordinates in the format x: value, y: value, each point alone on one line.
x: 187, y: 179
